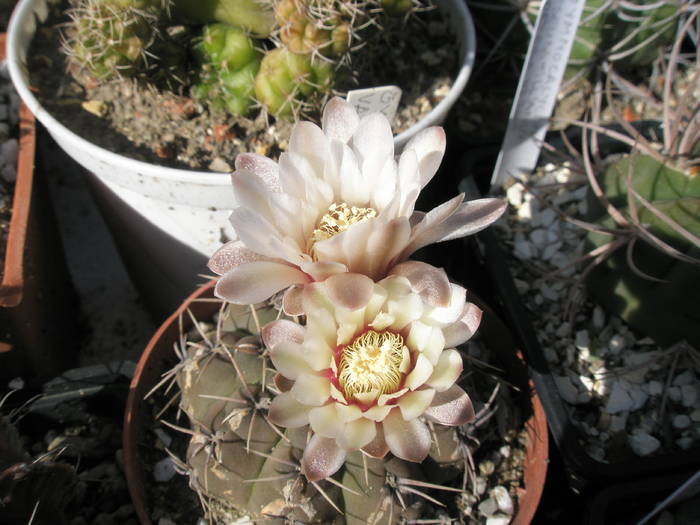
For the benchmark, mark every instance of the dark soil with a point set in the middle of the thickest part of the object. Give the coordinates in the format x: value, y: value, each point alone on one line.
x: 164, y: 128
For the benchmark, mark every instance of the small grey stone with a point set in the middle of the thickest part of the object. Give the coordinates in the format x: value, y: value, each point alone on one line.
x: 164, y: 470
x: 524, y: 250
x: 639, y: 397
x: 618, y: 423
x: 643, y: 443
x: 166, y: 521
x: 695, y: 415
x: 480, y: 485
x: 567, y: 390
x: 654, y: 388
x: 582, y: 340
x: 685, y: 378
x: 685, y: 443
x: 689, y: 395
x: 487, y: 467
x: 616, y: 344
x: 564, y: 329
x: 680, y: 421
x: 598, y: 317
x: 674, y: 393
x: 619, y: 400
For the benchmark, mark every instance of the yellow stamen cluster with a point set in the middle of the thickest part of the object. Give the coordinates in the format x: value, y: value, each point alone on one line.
x: 371, y: 363
x: 338, y: 219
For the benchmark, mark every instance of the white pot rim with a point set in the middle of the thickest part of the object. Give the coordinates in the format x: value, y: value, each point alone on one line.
x: 16, y: 34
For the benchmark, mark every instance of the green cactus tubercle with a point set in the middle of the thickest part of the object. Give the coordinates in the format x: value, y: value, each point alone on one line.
x: 667, y: 311
x: 285, y: 78
x: 229, y: 63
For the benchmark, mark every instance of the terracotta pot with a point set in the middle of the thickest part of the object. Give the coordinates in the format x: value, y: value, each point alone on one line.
x: 159, y: 352
x: 38, y: 318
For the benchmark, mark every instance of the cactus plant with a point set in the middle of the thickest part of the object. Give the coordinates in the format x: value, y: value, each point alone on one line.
x: 279, y: 55
x: 650, y: 201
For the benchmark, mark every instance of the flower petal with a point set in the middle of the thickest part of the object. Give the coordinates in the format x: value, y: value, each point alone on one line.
x: 282, y: 330
x: 317, y: 353
x: 429, y: 146
x: 325, y: 421
x: 430, y: 282
x: 256, y: 281
x: 266, y: 169
x: 288, y: 359
x: 286, y: 411
x: 321, y: 270
x: 357, y: 434
x: 322, y: 458
x: 469, y: 218
x: 377, y: 448
x: 422, y: 370
x: 339, y: 120
x: 445, y: 316
x: 230, y: 255
x: 311, y: 390
x: 451, y: 407
x: 465, y: 327
x: 409, y: 440
x: 447, y: 370
x: 292, y: 301
x: 377, y: 412
x: 413, y: 404
x: 350, y: 290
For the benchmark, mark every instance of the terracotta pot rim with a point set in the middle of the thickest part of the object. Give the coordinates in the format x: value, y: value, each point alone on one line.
x: 11, y: 288
x: 536, y: 460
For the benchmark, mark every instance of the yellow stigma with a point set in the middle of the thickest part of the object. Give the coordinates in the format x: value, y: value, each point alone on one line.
x: 338, y: 219
x: 371, y: 363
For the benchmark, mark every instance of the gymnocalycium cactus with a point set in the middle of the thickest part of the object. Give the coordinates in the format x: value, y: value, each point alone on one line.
x: 650, y: 201
x: 281, y: 55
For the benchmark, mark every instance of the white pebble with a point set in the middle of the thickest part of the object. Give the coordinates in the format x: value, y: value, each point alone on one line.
x: 617, y: 344
x: 524, y: 250
x: 643, y: 444
x: 514, y: 194
x: 619, y: 400
x: 654, y: 388
x: 500, y: 495
x: 488, y: 507
x: 498, y: 520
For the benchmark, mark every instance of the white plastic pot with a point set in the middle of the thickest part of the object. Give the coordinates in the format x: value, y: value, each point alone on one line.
x: 167, y: 221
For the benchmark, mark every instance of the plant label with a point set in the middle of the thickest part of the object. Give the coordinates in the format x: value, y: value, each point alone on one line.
x: 384, y: 100
x: 537, y: 91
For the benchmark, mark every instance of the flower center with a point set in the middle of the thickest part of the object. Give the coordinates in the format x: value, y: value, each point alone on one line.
x: 371, y: 363
x: 339, y: 218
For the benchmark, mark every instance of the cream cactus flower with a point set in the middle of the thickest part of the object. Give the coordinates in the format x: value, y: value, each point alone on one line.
x: 338, y: 201
x: 373, y: 361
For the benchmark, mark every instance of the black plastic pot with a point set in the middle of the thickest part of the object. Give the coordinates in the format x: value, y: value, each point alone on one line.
x: 582, y: 468
x: 629, y: 503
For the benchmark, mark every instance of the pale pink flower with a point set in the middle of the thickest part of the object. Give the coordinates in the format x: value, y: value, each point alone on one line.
x: 372, y: 363
x: 338, y: 201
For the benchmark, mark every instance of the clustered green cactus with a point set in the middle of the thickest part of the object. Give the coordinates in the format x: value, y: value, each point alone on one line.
x: 244, y: 466
x: 659, y: 305
x: 280, y: 55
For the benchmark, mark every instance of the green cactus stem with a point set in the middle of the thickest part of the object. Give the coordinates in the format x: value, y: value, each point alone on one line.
x: 229, y: 63
x: 285, y: 79
x: 253, y: 16
x: 668, y: 310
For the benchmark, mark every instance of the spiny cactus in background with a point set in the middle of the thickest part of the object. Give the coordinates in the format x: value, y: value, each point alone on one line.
x: 286, y: 79
x: 243, y: 465
x: 631, y: 34
x: 229, y: 63
x: 651, y: 199
x: 304, y: 43
x: 111, y: 38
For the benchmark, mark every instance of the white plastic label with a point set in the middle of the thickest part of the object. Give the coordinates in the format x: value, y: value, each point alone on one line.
x: 538, y: 88
x: 384, y: 99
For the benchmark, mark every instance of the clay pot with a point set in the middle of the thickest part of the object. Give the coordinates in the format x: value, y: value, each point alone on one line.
x: 38, y: 305
x: 158, y: 358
